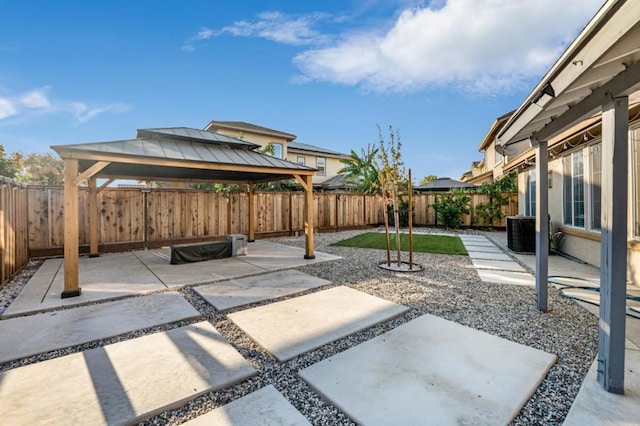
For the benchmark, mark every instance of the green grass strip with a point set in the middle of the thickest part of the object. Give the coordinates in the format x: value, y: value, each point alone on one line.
x: 442, y: 244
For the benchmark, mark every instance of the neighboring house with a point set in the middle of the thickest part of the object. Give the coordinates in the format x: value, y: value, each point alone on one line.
x: 491, y: 166
x: 443, y: 184
x: 326, y: 161
x: 575, y: 169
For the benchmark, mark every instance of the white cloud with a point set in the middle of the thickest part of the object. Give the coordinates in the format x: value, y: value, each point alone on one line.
x: 84, y: 113
x: 38, y: 101
x: 473, y: 45
x: 297, y: 30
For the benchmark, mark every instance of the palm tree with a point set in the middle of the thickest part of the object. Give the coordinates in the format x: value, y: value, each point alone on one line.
x: 361, y: 170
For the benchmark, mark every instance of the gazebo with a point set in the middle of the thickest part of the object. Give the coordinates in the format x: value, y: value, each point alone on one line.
x: 598, y: 73
x: 175, y: 154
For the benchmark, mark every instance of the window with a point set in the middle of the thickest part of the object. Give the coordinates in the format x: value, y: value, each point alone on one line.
x: 498, y: 155
x: 321, y: 166
x: 595, y: 184
x: 530, y: 194
x: 574, y: 189
x: 301, y: 160
x: 277, y: 150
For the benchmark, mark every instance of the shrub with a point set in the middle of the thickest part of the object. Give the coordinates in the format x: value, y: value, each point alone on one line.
x: 450, y: 208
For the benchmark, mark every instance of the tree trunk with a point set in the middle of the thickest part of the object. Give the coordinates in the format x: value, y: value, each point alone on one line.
x: 386, y: 228
x: 396, y: 218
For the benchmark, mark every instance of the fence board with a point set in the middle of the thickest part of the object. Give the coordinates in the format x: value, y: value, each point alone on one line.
x: 174, y: 214
x: 13, y: 228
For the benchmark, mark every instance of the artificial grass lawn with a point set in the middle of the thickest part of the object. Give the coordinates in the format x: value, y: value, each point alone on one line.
x: 421, y: 243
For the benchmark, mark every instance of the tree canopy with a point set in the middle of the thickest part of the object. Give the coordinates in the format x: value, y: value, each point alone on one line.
x: 43, y: 169
x: 361, y: 170
x: 428, y: 179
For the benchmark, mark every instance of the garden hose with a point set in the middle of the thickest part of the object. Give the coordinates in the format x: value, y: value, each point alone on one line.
x: 594, y: 286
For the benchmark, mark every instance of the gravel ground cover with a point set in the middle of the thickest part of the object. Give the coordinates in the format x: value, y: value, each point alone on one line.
x: 448, y: 287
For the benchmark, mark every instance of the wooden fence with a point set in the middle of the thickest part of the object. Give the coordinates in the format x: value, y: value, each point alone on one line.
x: 13, y: 228
x: 135, y: 218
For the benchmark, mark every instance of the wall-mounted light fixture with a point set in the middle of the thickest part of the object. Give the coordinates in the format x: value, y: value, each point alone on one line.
x: 550, y: 178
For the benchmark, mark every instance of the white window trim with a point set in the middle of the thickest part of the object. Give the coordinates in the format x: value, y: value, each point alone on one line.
x: 585, y: 189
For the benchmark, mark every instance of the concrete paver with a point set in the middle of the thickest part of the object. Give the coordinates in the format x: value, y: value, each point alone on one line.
x: 25, y: 336
x: 433, y: 371
x: 114, y: 276
x: 110, y: 276
x: 506, y: 277
x: 123, y: 382
x: 595, y: 406
x: 264, y: 407
x: 234, y: 293
x: 500, y: 265
x: 491, y: 255
x: 301, y: 324
x: 197, y: 272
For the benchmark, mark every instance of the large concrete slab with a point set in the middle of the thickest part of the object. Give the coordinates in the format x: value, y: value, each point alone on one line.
x: 595, y: 406
x: 506, y: 277
x: 484, y: 249
x: 500, y: 265
x: 234, y: 293
x: 479, y: 244
x: 273, y: 256
x: 195, y: 273
x: 289, y: 328
x: 264, y: 407
x: 114, y: 276
x: 25, y: 336
x: 124, y: 382
x: 110, y: 276
x: 433, y: 371
x: 488, y: 255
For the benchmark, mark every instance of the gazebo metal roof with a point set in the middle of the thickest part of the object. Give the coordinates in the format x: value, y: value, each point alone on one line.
x: 168, y: 154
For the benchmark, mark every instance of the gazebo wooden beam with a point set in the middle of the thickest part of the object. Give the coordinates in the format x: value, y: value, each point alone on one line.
x: 91, y: 171
x: 307, y: 184
x: 93, y: 218
x: 71, y: 250
x: 252, y: 213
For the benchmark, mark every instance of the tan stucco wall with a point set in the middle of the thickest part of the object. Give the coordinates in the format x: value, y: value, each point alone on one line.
x: 333, y: 165
x: 584, y: 249
x: 259, y: 139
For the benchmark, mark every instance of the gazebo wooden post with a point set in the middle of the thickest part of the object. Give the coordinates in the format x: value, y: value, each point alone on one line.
x: 252, y: 213
x: 308, y: 228
x: 71, y: 275
x: 93, y: 218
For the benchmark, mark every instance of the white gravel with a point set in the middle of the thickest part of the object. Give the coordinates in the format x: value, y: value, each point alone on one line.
x: 448, y: 287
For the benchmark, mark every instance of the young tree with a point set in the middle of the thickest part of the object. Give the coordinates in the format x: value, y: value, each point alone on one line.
x: 392, y: 176
x: 362, y: 169
x: 498, y: 192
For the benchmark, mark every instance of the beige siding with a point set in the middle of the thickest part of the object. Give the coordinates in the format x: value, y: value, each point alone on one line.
x: 256, y: 138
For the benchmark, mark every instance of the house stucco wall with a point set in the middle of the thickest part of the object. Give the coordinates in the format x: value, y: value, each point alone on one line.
x: 256, y: 138
x: 332, y: 164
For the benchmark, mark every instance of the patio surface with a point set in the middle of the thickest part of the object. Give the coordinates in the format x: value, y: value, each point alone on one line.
x: 130, y: 380
x: 122, y: 382
x: 431, y: 371
x: 113, y: 276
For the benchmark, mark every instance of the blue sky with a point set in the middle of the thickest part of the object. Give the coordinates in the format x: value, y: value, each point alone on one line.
x: 328, y: 71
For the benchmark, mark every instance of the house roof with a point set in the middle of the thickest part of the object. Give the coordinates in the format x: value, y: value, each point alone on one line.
x: 299, y: 146
x: 243, y: 126
x: 493, y: 130
x: 178, y: 158
x: 603, y: 61
x: 192, y: 134
x: 338, y: 182
x: 443, y: 184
